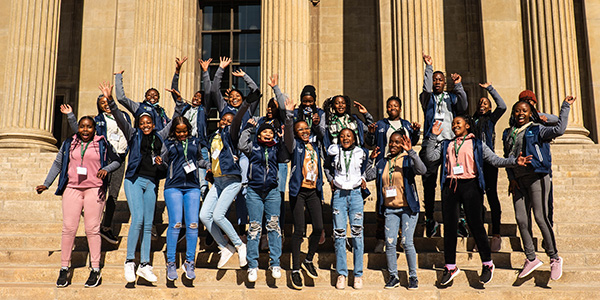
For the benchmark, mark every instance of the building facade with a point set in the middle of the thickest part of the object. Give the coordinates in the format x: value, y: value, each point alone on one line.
x: 58, y: 51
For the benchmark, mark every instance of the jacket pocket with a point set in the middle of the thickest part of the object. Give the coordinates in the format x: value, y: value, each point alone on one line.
x: 539, y: 153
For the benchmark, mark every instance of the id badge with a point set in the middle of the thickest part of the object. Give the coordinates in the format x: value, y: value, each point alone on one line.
x: 153, y: 159
x: 390, y: 192
x: 215, y: 154
x: 458, y: 170
x: 189, y: 167
x: 114, y: 137
x: 347, y: 186
x: 81, y: 170
x: 311, y: 176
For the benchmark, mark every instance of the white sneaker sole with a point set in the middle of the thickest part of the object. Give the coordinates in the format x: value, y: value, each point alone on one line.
x: 530, y: 271
x: 451, y: 277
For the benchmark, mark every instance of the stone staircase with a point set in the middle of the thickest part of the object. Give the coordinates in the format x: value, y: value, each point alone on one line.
x: 30, y: 227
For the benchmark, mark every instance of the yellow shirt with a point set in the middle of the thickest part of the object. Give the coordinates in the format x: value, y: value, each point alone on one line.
x: 310, y: 166
x: 216, y: 145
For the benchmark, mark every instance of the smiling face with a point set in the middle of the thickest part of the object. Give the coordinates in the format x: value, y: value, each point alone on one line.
x: 522, y: 114
x: 225, y: 120
x: 339, y: 105
x: 395, y: 144
x: 87, y: 130
x: 146, y: 125
x: 181, y: 132
x: 197, y: 99
x: 346, y: 138
x: 103, y: 104
x: 302, y: 131
x: 272, y: 109
x: 393, y: 109
x: 439, y: 82
x: 235, y: 99
x: 266, y: 135
x: 307, y: 100
x: 460, y: 127
x: 152, y: 96
x: 484, y: 105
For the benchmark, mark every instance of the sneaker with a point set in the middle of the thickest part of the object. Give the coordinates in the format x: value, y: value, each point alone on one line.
x: 309, y: 267
x: 276, y: 272
x: 63, y: 278
x: 556, y: 268
x: 530, y: 266
x: 108, y: 235
x: 487, y: 273
x: 145, y: 271
x: 449, y: 275
x: 241, y: 250
x: 226, y: 254
x: 94, y: 279
x: 171, y: 271
x: 380, y: 247
x: 264, y: 242
x: 181, y: 236
x: 252, y: 274
x: 393, y: 282
x: 431, y: 227
x: 358, y: 283
x: 413, y: 283
x: 462, y: 230
x: 496, y: 244
x: 296, y: 280
x: 188, y: 269
x: 341, y: 282
x: 130, y: 271
x: 322, y: 238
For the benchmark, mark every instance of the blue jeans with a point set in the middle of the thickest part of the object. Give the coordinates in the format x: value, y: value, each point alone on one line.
x: 393, y: 217
x: 202, y: 174
x: 269, y: 205
x: 348, y: 204
x: 215, y: 207
x: 141, y: 198
x: 180, y: 201
x: 283, y: 172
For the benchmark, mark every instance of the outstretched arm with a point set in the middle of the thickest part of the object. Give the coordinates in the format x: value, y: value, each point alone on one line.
x: 122, y: 123
x: 549, y: 132
x: 216, y: 85
x: 500, y: 105
x: 462, y: 103
x: 129, y: 104
x: 66, y: 109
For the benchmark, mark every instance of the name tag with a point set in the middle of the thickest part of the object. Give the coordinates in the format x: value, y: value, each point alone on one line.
x: 347, y: 186
x: 311, y: 176
x: 458, y: 170
x: 114, y: 137
x: 215, y: 154
x: 82, y: 170
x: 390, y: 192
x: 189, y: 166
x: 313, y: 139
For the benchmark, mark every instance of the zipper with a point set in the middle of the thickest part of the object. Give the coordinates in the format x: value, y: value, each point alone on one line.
x: 250, y: 172
x: 537, y: 149
x: 171, y: 170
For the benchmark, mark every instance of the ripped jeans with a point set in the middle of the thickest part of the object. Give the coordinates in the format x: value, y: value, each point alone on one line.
x: 180, y: 202
x: 270, y: 206
x: 393, y: 218
x: 348, y: 204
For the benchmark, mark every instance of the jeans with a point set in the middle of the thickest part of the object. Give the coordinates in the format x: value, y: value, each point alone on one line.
x: 215, y: 207
x: 393, y: 218
x: 282, y: 174
x: 202, y: 174
x: 269, y: 205
x: 141, y: 198
x: 180, y: 202
x: 309, y: 198
x: 348, y: 204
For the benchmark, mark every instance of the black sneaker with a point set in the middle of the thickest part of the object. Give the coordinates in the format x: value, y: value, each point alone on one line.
x: 63, y: 278
x: 109, y: 236
x: 431, y: 227
x: 449, y: 275
x: 296, y: 280
x: 309, y: 267
x: 413, y: 283
x: 94, y: 279
x: 393, y: 282
x: 487, y: 273
x: 462, y: 230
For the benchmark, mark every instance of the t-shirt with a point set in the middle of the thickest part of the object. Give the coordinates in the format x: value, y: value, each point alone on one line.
x: 216, y: 146
x: 397, y: 182
x: 192, y: 116
x: 310, y: 172
x: 114, y: 135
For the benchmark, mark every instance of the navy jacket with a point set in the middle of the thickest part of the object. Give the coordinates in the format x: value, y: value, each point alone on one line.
x: 157, y: 113
x: 174, y: 157
x: 296, y: 176
x: 228, y: 157
x: 380, y: 136
x: 181, y: 108
x: 541, y: 159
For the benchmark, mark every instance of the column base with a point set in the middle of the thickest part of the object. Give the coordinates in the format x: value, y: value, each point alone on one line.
x: 575, y: 134
x: 25, y: 138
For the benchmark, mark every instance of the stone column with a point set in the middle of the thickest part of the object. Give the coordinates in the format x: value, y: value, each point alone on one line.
x: 28, y: 102
x: 552, y: 62
x: 284, y: 47
x: 407, y: 29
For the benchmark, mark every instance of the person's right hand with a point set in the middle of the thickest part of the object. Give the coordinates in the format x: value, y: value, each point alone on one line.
x: 224, y: 62
x: 570, y: 99
x: 437, y: 128
x: 106, y: 89
x: 66, y: 109
x: 40, y: 188
x: 179, y: 63
x: 427, y: 59
x: 252, y: 122
x: 176, y: 92
x: 372, y: 127
x: 273, y: 80
x: 204, y: 64
x: 158, y: 160
x: 485, y: 85
x: 375, y: 153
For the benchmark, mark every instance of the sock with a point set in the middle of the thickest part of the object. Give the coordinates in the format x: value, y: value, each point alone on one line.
x: 96, y: 269
x: 295, y: 271
x: 450, y: 266
x: 144, y: 264
x: 65, y: 268
x: 488, y: 263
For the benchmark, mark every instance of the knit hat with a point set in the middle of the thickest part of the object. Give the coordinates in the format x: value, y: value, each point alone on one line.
x: 308, y: 90
x: 527, y: 95
x: 264, y: 126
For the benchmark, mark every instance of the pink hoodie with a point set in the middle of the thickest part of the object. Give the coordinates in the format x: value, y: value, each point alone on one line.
x: 91, y: 161
x: 465, y: 158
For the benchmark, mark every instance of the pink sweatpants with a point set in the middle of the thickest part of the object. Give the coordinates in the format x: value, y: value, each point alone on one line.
x: 91, y: 200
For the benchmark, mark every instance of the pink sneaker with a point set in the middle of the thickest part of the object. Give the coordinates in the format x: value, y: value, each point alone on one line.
x: 556, y: 268
x: 530, y: 266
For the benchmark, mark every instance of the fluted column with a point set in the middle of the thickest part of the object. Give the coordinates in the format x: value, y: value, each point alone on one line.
x: 408, y: 28
x: 284, y: 46
x: 163, y: 30
x: 552, y: 61
x: 30, y: 71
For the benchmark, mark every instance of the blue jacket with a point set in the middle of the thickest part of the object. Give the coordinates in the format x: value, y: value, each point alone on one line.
x: 361, y: 133
x: 181, y: 107
x: 477, y: 157
x: 260, y: 178
x: 135, y: 155
x: 174, y: 157
x: 381, y: 135
x: 158, y: 114
x: 200, y: 123
x: 430, y: 112
x: 533, y: 144
x: 296, y: 176
x: 228, y: 157
x: 410, y: 188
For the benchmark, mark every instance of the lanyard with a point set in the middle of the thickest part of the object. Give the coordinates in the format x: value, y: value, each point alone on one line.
x: 391, y: 169
x: 311, y: 152
x: 347, y: 161
x: 185, y: 148
x: 267, y: 158
x: 195, y: 112
x: 458, y: 149
x: 439, y: 99
x: 83, y: 150
x: 109, y: 116
x: 513, y: 134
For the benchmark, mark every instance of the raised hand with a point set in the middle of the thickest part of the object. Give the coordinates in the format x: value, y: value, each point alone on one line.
x: 252, y: 122
x: 570, y: 99
x: 372, y: 127
x: 375, y: 153
x: 120, y: 72
x: 176, y: 92
x: 226, y: 97
x: 179, y: 63
x: 273, y: 80
x: 289, y: 104
x: 238, y: 73
x: 485, y: 85
x: 224, y: 62
x: 456, y: 77
x: 65, y: 109
x: 158, y: 160
x: 363, y: 184
x: 106, y: 89
x: 427, y: 59
x: 437, y: 128
x: 405, y: 143
x: 415, y: 126
x: 280, y: 133
x: 361, y: 108
x: 40, y: 188
x: 523, y: 160
x: 102, y: 174
x: 204, y: 64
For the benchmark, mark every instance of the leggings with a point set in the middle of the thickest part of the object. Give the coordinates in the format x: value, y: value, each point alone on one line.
x: 490, y: 175
x: 429, y: 183
x: 115, y: 180
x: 533, y: 193
x: 312, y: 201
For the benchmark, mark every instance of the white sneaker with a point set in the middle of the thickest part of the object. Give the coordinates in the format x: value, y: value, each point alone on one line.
x: 252, y: 274
x: 226, y: 254
x: 241, y: 250
x: 130, y: 271
x: 276, y: 272
x: 146, y: 273
x: 380, y: 246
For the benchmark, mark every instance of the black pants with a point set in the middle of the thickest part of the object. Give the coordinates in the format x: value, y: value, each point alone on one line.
x: 429, y: 183
x: 115, y: 180
x: 490, y: 175
x: 312, y: 201
x: 467, y: 192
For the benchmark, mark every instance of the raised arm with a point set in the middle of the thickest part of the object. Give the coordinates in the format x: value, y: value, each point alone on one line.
x: 371, y: 172
x: 245, y: 142
x: 461, y: 103
x: 129, y: 104
x: 66, y: 109
x: 251, y: 84
x: 122, y: 123
x: 216, y: 85
x: 500, y: 105
x: 288, y: 130
x: 206, y: 83
x: 549, y: 132
x: 434, y: 150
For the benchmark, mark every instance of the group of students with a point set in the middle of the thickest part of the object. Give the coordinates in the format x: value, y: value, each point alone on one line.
x: 246, y: 160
